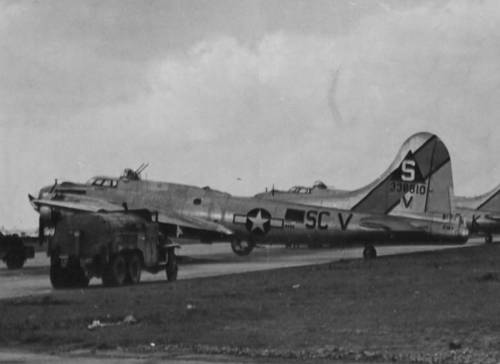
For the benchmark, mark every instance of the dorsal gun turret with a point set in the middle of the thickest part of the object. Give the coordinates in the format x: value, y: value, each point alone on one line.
x: 132, y: 175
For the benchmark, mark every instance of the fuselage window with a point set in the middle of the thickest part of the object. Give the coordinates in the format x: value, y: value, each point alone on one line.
x: 197, y: 201
x: 295, y: 215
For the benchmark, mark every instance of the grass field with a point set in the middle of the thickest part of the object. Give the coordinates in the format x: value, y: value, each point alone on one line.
x: 427, y: 307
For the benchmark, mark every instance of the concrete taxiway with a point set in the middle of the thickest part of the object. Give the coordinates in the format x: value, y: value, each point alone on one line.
x: 200, y: 260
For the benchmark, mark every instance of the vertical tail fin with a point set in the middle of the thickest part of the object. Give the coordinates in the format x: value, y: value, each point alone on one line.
x: 488, y: 202
x: 419, y: 181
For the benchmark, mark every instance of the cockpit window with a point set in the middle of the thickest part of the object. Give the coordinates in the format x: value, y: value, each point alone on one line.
x: 104, y: 182
x: 300, y: 189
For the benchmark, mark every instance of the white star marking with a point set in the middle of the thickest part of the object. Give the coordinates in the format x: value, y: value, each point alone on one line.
x: 258, y: 222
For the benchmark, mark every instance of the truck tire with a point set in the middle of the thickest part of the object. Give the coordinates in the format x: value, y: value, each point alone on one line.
x: 116, y: 271
x: 171, y: 268
x: 15, y: 259
x: 58, y: 275
x: 134, y: 267
x: 77, y: 277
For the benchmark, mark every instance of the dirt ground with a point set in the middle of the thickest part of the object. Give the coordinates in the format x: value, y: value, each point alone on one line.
x: 430, y: 307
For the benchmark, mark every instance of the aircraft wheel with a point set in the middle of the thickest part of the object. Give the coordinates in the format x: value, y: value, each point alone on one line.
x: 134, y: 267
x: 15, y: 260
x: 369, y: 252
x: 171, y: 268
x: 241, y: 248
x: 116, y: 271
x: 488, y: 239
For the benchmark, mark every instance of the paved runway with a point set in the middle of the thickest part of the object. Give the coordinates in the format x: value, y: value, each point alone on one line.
x: 202, y: 261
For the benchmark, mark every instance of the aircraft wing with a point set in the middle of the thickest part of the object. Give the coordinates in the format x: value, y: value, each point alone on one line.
x: 87, y: 205
x: 391, y: 224
x: 193, y: 222
x: 493, y: 217
x: 91, y: 205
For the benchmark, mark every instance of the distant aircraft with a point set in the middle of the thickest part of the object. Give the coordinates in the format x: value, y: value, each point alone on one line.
x: 210, y: 215
x: 482, y: 213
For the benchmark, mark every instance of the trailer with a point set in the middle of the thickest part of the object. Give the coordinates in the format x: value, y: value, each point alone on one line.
x: 115, y: 247
x: 13, y: 251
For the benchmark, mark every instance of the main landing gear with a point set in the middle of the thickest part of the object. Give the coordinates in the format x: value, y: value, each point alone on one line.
x: 369, y: 252
x: 242, y: 247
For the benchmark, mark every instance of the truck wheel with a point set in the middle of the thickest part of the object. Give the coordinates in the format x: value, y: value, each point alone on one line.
x: 15, y: 260
x: 77, y: 277
x: 134, y: 267
x: 58, y: 275
x: 116, y: 271
x: 171, y: 268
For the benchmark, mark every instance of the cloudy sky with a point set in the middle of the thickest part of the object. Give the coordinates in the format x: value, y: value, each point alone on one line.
x: 240, y: 95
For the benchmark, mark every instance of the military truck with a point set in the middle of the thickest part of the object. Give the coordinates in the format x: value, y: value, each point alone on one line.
x: 13, y: 251
x: 115, y: 247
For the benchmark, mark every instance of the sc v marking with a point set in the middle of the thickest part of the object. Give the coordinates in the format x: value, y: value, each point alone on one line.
x: 317, y: 219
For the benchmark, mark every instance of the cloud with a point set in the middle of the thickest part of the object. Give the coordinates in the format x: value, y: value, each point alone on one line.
x: 219, y: 106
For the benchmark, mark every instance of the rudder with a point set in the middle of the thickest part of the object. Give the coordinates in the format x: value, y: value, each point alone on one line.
x: 419, y: 180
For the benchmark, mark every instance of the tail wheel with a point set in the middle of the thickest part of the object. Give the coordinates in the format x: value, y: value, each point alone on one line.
x: 369, y: 252
x: 241, y: 248
x: 171, y: 268
x: 15, y: 260
x: 116, y: 271
x: 134, y: 267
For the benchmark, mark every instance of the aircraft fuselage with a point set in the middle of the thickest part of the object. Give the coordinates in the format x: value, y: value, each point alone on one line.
x: 262, y: 220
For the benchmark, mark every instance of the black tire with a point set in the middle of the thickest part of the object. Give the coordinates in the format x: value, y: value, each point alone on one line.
x: 77, y: 277
x: 115, y: 272
x: 72, y: 276
x: 134, y: 268
x: 58, y: 275
x: 488, y: 239
x: 369, y: 252
x: 15, y: 260
x: 171, y: 268
x: 241, y: 248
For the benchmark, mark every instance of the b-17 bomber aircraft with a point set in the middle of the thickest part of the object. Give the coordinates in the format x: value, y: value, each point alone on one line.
x: 481, y: 213
x: 211, y: 215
